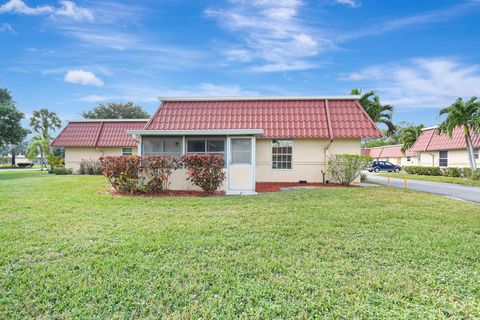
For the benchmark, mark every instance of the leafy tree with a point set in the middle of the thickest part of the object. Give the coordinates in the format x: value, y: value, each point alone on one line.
x: 380, y: 113
x: 11, y: 131
x: 43, y: 122
x: 409, y: 135
x: 392, y: 139
x: 465, y: 115
x: 112, y: 110
x: 38, y: 145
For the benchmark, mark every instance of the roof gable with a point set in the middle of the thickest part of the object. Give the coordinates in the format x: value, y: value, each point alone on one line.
x: 392, y: 151
x: 430, y: 140
x: 101, y: 133
x: 292, y: 118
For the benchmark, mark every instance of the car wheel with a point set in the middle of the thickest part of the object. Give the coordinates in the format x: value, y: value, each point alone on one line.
x: 376, y: 170
x: 397, y: 170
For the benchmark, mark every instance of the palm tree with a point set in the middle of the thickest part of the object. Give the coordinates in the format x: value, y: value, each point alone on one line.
x: 409, y: 136
x: 380, y: 113
x: 38, y: 145
x: 466, y: 115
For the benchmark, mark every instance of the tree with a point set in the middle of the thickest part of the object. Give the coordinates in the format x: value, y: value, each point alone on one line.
x: 38, y: 145
x: 112, y: 110
x: 11, y: 131
x: 380, y: 113
x: 409, y: 135
x: 465, y: 115
x: 44, y: 121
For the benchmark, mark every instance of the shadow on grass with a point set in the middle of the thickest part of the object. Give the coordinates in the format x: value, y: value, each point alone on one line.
x: 14, y: 175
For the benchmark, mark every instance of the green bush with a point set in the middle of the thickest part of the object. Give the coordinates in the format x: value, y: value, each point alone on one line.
x: 345, y: 168
x: 452, y: 172
x: 475, y: 175
x: 90, y: 167
x: 466, y: 172
x: 61, y: 171
x: 425, y: 171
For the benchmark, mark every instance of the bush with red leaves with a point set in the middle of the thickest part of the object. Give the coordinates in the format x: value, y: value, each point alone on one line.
x: 205, y: 171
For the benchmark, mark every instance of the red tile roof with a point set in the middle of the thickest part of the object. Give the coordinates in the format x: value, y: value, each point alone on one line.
x: 101, y: 133
x: 429, y: 140
x: 279, y: 118
x: 393, y: 151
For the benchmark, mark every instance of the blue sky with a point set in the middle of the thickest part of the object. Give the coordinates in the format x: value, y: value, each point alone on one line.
x: 70, y: 55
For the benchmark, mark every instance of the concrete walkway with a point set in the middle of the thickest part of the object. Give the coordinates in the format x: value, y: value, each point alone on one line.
x: 450, y: 190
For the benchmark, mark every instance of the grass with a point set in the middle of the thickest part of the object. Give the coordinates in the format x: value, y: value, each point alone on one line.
x: 468, y: 182
x: 71, y: 250
x: 9, y: 166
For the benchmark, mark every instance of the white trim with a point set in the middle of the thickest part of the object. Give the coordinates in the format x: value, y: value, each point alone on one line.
x: 109, y: 120
x: 256, y: 98
x: 251, y: 191
x: 221, y: 132
x: 430, y: 128
x: 140, y: 147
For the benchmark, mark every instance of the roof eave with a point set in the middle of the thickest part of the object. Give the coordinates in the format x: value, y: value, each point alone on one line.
x: 220, y: 132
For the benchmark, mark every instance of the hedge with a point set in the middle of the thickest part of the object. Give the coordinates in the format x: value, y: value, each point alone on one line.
x: 446, y: 172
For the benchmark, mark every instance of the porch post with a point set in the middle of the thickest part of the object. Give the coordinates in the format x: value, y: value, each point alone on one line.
x: 140, y: 146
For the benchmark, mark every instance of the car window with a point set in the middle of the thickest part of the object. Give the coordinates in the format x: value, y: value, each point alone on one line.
x: 388, y: 163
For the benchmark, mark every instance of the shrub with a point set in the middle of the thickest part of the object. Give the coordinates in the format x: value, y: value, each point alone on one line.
x: 475, y: 175
x: 466, y: 172
x: 426, y: 171
x: 61, y: 171
x: 347, y: 167
x: 157, y: 170
x: 123, y: 172
x: 452, y: 172
x: 132, y: 174
x: 90, y: 167
x: 205, y: 170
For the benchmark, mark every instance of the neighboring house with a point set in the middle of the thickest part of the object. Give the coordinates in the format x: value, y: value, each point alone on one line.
x: 263, y: 139
x: 92, y: 139
x: 392, y: 154
x: 440, y: 150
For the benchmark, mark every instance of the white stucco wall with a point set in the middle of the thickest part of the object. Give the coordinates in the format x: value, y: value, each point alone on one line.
x: 456, y: 158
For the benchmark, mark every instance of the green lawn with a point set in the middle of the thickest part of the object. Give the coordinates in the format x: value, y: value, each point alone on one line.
x: 467, y: 182
x: 71, y: 250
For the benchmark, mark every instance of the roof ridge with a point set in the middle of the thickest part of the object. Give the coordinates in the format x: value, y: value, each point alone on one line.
x: 256, y: 98
x: 98, y: 134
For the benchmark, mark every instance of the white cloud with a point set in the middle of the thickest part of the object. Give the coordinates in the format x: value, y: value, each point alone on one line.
x: 352, y: 3
x: 83, y: 77
x: 273, y: 35
x: 6, y: 27
x: 95, y: 98
x: 434, y: 82
x: 67, y: 9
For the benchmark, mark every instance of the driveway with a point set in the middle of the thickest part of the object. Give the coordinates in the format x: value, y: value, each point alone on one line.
x: 450, y: 190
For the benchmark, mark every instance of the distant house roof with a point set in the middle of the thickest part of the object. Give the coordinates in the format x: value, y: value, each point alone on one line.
x: 429, y: 140
x: 393, y: 151
x: 278, y: 117
x: 98, y: 133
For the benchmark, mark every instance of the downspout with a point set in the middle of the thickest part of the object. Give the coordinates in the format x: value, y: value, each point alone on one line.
x: 98, y: 137
x: 330, y: 137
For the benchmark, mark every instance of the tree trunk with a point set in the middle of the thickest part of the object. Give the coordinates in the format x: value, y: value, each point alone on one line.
x: 471, y: 157
x: 13, y: 157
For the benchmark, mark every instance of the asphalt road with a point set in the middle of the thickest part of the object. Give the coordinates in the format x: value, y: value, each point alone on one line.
x: 450, y: 190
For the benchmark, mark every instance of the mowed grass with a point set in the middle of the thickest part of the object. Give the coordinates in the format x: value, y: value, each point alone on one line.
x: 468, y: 182
x: 71, y: 250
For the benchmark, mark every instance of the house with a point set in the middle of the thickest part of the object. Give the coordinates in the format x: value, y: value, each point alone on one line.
x: 393, y: 154
x: 92, y: 139
x: 263, y: 139
x: 440, y: 150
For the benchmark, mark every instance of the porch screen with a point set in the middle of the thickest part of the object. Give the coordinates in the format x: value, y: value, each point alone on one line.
x: 162, y: 146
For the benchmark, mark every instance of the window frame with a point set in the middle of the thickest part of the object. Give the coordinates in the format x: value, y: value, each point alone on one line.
x: 440, y: 159
x: 409, y: 158
x: 205, y: 139
x: 249, y: 151
x: 272, y: 154
x: 163, y: 152
x: 476, y: 154
x: 127, y: 153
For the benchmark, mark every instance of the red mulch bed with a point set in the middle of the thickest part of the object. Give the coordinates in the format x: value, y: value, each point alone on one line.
x: 168, y: 193
x: 276, y: 186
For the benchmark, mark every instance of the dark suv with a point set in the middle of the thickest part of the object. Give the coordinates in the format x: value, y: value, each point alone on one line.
x: 377, y: 166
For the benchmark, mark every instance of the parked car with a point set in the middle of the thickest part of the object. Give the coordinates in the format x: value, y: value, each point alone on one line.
x: 377, y: 166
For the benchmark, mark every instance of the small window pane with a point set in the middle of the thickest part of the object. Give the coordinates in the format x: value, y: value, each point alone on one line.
x: 443, y: 158
x: 241, y: 151
x: 215, y: 145
x: 127, y: 151
x: 476, y: 153
x: 282, y: 154
x: 196, y: 146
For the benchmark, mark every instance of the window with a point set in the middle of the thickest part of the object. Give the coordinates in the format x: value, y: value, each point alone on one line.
x: 282, y: 154
x: 162, y: 146
x: 409, y: 158
x: 206, y: 146
x: 443, y: 158
x: 241, y: 151
x: 127, y: 151
x: 475, y: 154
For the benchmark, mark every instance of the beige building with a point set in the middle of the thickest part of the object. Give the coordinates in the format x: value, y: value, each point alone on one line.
x: 93, y: 139
x: 440, y: 150
x: 263, y: 139
x: 393, y: 154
